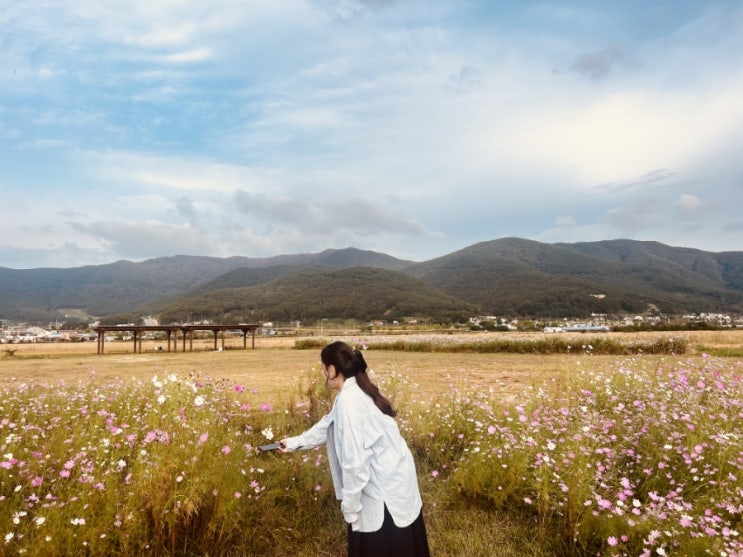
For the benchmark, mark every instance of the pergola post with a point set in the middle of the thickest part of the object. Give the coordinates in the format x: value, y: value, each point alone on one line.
x: 171, y: 331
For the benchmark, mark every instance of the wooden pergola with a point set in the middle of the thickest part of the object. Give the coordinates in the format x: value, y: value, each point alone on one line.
x: 172, y: 333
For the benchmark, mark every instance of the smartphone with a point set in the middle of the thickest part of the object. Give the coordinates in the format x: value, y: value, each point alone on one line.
x: 271, y: 447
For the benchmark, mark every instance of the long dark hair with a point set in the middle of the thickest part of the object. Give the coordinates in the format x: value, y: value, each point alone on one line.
x: 351, y: 363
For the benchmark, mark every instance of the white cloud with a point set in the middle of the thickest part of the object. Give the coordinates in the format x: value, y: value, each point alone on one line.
x: 689, y: 203
x: 179, y: 173
x: 149, y: 238
x: 189, y: 56
x: 409, y: 126
x: 564, y: 222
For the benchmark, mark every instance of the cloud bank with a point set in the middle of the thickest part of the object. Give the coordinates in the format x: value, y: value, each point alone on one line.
x: 407, y: 127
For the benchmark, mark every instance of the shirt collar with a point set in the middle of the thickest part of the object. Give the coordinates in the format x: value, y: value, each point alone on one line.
x: 348, y: 382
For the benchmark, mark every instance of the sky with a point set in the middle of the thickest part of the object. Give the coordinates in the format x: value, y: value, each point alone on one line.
x: 148, y: 128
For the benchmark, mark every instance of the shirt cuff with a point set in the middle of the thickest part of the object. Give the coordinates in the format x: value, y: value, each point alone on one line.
x: 353, y: 520
x: 293, y: 444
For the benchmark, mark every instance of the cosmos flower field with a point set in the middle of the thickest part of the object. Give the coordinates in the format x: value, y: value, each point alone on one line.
x: 638, y: 460
x: 635, y: 462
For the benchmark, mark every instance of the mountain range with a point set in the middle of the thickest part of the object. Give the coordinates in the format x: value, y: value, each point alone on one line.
x: 504, y: 277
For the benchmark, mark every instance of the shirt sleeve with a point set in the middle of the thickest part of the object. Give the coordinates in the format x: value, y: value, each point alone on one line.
x: 316, y: 436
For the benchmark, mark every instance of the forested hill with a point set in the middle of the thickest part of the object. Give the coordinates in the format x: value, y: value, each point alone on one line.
x: 362, y: 293
x: 43, y: 294
x: 514, y: 276
x: 509, y: 276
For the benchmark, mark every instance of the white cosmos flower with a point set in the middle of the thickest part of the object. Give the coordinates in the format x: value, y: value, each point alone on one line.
x: 267, y: 433
x: 199, y: 401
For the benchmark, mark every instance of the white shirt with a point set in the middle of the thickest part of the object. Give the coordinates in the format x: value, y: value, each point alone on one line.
x: 370, y: 462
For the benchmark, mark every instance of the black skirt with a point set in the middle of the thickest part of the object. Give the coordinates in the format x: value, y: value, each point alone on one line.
x: 390, y: 540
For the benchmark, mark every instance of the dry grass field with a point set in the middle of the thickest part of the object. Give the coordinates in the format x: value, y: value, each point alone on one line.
x: 273, y: 365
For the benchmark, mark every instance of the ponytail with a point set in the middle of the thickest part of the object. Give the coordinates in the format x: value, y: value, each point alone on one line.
x: 362, y: 378
x: 351, y: 363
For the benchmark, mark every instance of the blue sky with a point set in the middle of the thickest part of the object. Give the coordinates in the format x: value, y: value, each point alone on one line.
x: 146, y: 128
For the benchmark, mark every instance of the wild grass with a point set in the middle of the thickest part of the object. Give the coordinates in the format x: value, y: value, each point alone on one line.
x: 552, y: 344
x: 635, y: 460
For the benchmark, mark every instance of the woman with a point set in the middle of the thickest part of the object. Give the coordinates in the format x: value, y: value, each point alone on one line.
x: 372, y: 467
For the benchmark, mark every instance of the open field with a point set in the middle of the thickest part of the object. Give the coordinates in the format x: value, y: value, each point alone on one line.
x: 272, y: 369
x: 273, y: 364
x: 153, y: 453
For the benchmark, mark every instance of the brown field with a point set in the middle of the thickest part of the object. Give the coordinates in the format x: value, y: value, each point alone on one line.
x: 274, y: 365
